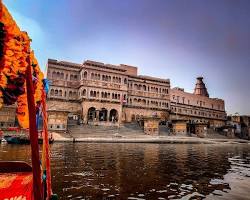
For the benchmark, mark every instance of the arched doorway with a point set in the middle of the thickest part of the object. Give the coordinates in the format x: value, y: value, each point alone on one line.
x: 91, y: 114
x: 113, y: 116
x: 103, y: 114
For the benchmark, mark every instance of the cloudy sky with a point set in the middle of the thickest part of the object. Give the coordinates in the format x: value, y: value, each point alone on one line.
x: 176, y: 39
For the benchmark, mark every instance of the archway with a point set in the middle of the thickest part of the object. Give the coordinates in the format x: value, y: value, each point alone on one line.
x: 113, y: 117
x: 91, y: 114
x: 103, y: 114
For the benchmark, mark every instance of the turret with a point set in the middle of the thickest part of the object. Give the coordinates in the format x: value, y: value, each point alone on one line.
x: 200, y: 87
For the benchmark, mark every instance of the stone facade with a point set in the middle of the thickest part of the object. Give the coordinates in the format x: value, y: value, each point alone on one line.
x: 98, y: 93
x: 103, y: 94
x: 197, y: 107
x: 7, y: 116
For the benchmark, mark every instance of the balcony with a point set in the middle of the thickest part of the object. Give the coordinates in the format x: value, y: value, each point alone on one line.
x: 148, y: 94
x: 103, y: 84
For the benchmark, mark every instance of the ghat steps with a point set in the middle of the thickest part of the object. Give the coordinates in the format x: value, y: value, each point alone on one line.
x: 125, y: 130
x: 103, y: 131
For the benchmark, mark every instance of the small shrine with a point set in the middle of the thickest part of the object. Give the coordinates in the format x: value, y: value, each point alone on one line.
x: 151, y: 125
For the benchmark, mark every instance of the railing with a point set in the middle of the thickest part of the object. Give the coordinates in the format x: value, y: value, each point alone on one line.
x: 105, y: 84
x: 147, y: 94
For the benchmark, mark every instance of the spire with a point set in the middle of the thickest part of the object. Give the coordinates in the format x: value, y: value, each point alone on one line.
x: 200, y: 87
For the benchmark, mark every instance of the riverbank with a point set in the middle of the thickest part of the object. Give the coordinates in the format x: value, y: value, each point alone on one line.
x: 133, y: 138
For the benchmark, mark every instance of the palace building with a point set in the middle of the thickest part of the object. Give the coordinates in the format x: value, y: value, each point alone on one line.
x: 104, y: 94
x: 188, y: 109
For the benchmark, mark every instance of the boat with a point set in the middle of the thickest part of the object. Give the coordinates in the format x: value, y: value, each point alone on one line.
x: 16, y: 140
x: 12, y: 173
x: 23, y: 140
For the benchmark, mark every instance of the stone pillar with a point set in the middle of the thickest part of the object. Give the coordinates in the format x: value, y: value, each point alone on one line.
x: 108, y: 112
x: 97, y: 112
x: 120, y: 115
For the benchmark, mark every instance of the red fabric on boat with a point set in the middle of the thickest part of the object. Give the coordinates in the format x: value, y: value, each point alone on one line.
x: 16, y: 186
x: 46, y: 145
x: 37, y: 184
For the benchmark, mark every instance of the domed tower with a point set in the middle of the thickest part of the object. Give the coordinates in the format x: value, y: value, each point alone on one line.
x: 200, y: 87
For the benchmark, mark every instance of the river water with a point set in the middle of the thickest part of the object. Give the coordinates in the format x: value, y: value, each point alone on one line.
x: 145, y: 171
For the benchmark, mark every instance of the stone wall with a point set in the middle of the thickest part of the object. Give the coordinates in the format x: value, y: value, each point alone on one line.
x: 7, y: 116
x: 132, y: 114
x: 57, y: 120
x: 68, y: 106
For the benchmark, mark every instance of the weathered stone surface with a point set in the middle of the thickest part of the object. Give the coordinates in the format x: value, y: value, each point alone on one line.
x: 98, y: 93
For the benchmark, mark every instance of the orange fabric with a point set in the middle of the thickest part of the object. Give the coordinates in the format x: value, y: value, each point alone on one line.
x: 14, y: 52
x: 14, y: 64
x: 16, y: 186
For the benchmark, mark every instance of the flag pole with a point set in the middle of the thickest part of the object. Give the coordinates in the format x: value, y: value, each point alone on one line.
x: 37, y: 186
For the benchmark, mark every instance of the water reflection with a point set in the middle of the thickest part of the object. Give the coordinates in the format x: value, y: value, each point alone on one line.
x: 144, y: 171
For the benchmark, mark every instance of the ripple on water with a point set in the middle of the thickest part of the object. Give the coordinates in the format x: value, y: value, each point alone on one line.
x: 145, y: 171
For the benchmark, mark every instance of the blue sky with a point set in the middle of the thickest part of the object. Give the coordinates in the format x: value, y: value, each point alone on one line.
x: 176, y: 39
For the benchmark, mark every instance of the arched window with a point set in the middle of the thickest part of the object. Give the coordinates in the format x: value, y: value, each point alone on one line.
x: 125, y: 81
x: 54, y: 74
x: 84, y: 92
x: 70, y: 93
x: 52, y: 92
x: 56, y: 92
x: 60, y: 93
x: 85, y: 75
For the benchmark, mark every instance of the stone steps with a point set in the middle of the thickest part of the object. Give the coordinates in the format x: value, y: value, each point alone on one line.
x: 214, y: 134
x: 88, y: 129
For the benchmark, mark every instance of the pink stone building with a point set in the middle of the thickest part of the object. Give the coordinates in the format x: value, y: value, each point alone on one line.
x: 104, y: 94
